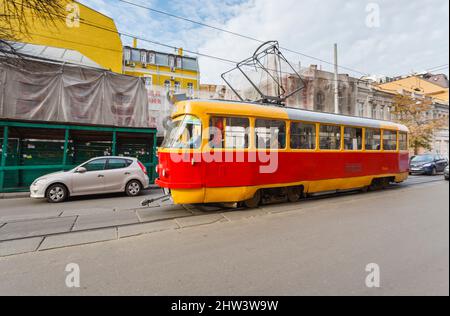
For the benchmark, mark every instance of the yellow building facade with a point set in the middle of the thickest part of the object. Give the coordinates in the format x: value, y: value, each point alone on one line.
x: 80, y: 28
x: 164, y: 72
x: 95, y: 36
x: 417, y: 85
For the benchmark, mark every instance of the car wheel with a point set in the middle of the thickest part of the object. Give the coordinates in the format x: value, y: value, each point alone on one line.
x: 434, y: 171
x: 56, y: 193
x: 133, y: 188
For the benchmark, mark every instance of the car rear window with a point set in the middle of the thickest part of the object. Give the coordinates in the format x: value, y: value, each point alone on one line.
x: 116, y: 163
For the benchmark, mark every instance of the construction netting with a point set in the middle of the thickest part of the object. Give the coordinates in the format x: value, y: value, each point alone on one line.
x: 50, y: 92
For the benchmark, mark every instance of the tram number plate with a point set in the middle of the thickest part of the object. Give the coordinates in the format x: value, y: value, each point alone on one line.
x: 353, y: 167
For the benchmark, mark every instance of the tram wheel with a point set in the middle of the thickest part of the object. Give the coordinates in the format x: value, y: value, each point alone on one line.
x: 254, y: 201
x: 294, y: 194
x: 375, y: 185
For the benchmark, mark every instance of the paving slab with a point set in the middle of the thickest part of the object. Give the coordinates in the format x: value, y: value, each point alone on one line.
x: 200, y: 220
x: 162, y: 213
x: 78, y: 238
x: 34, y: 228
x: 146, y: 228
x: 89, y: 211
x: 281, y: 208
x: 27, y: 217
x: 16, y: 247
x: 243, y: 214
x: 94, y: 221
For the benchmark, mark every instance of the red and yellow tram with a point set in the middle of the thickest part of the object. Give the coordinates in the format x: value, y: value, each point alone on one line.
x: 227, y: 152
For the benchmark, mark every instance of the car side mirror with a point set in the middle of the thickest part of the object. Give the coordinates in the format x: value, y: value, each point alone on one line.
x: 81, y: 170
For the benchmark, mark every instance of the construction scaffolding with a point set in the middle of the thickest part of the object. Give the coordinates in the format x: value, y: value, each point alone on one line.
x: 30, y: 150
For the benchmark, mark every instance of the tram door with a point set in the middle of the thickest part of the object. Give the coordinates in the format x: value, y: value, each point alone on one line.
x: 228, y: 163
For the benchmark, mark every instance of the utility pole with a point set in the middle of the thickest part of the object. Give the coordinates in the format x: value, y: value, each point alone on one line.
x: 336, y: 80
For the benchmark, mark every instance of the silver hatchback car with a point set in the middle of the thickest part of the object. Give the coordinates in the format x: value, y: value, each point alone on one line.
x: 96, y: 176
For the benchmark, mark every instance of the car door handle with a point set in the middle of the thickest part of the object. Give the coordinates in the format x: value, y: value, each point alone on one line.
x: 101, y: 176
x: 127, y: 173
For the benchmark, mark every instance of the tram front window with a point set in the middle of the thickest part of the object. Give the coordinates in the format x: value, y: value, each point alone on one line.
x: 185, y: 133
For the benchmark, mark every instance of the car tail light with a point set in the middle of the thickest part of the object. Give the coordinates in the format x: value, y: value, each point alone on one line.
x: 143, y: 168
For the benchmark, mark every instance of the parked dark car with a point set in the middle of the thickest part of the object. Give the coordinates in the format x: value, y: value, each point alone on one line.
x: 446, y: 176
x: 429, y: 164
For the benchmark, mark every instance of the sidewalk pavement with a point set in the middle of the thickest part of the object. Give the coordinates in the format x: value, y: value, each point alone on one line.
x: 14, y: 195
x: 99, y: 225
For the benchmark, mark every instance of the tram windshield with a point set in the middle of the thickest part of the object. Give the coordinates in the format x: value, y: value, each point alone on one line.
x: 185, y: 132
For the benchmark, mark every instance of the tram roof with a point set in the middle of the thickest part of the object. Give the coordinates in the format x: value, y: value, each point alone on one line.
x: 222, y: 107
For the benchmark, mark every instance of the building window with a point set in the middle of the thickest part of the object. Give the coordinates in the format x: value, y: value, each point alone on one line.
x: 179, y: 62
x: 151, y: 58
x: 353, y: 138
x: 330, y: 137
x: 373, y: 139
x: 172, y: 61
x: 270, y: 134
x: 143, y: 57
x: 148, y: 82
x: 190, y: 64
x: 167, y: 85
x: 360, y: 110
x: 135, y: 55
x: 177, y: 87
x: 320, y: 100
x: 388, y: 113
x: 303, y: 136
x: 127, y: 54
x: 374, y: 112
x: 190, y: 89
x: 162, y: 59
x: 389, y: 140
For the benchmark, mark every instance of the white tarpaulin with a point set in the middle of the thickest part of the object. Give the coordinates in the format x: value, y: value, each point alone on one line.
x: 159, y: 108
x: 44, y: 91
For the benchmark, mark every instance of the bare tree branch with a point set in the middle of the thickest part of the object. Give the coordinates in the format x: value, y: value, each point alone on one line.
x: 17, y: 18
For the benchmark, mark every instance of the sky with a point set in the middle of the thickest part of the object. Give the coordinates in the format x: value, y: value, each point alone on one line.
x: 374, y: 37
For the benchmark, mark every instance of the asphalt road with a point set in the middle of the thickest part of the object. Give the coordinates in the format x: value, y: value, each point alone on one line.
x: 321, y: 247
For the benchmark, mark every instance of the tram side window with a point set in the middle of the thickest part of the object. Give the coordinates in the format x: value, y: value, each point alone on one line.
x: 373, y: 139
x: 403, y: 141
x: 270, y: 134
x: 330, y: 137
x: 230, y: 133
x: 389, y: 140
x: 353, y: 138
x: 216, y: 132
x: 303, y: 136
